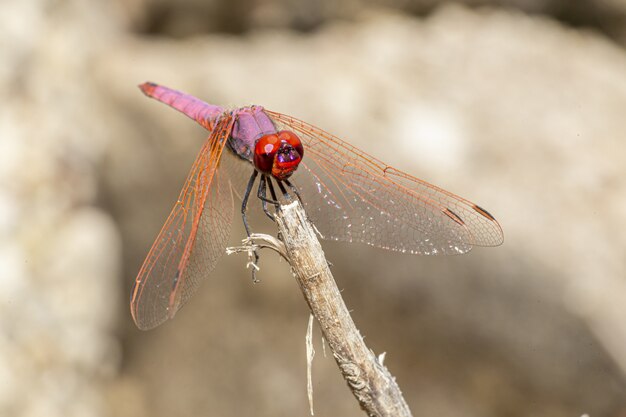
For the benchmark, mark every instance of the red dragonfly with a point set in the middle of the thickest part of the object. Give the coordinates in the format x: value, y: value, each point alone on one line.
x: 348, y: 194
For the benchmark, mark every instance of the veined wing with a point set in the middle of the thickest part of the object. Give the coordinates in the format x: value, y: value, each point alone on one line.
x: 351, y: 196
x: 181, y: 255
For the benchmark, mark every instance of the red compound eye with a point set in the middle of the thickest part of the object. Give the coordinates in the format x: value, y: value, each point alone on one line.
x: 264, y: 152
x: 293, y: 140
x: 278, y: 154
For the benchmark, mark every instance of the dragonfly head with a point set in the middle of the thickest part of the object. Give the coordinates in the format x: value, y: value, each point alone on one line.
x: 278, y: 154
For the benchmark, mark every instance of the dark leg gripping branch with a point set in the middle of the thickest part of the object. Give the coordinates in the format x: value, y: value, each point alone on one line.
x: 264, y: 184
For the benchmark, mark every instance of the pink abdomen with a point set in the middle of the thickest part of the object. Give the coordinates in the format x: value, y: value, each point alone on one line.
x: 203, y: 113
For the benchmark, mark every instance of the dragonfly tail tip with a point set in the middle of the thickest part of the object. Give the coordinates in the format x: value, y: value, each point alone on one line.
x: 148, y: 88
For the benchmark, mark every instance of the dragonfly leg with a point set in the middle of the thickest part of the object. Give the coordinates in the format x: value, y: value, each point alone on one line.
x: 294, y: 189
x: 283, y: 190
x: 244, y: 203
x: 244, y: 208
x: 264, y: 200
x: 272, y: 193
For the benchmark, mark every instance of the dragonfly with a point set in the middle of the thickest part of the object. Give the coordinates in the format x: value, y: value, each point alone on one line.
x: 347, y: 194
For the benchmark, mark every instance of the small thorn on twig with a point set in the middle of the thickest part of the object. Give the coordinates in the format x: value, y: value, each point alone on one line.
x: 258, y: 241
x: 316, y: 229
x: 252, y: 264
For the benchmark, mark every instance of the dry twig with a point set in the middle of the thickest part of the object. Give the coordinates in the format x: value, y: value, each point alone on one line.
x: 369, y: 380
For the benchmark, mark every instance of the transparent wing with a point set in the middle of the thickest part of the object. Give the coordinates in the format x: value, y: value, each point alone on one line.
x: 351, y: 196
x: 191, y: 241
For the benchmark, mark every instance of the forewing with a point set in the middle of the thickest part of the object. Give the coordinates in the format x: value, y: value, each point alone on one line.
x: 351, y: 196
x: 191, y: 241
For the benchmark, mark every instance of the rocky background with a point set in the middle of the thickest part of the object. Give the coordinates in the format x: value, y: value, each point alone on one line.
x: 517, y: 105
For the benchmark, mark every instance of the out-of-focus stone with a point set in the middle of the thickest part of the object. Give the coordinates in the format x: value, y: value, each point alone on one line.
x: 195, y: 17
x: 59, y: 254
x: 517, y: 113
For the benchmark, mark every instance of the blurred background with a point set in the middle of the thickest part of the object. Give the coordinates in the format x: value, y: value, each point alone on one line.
x: 517, y: 105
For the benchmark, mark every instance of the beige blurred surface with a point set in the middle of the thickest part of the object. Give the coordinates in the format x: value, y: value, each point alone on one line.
x: 523, y: 114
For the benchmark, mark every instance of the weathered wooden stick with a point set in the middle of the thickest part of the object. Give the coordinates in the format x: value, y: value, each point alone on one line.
x: 368, y: 379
